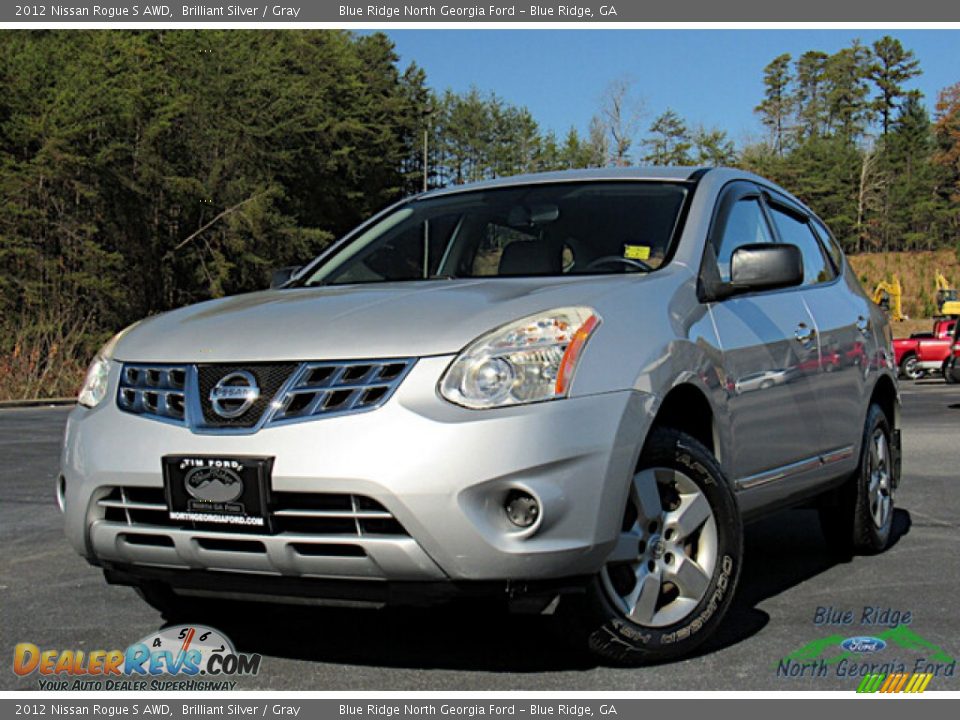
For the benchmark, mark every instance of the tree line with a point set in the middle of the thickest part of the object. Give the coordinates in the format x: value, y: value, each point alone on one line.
x: 847, y: 135
x: 143, y: 170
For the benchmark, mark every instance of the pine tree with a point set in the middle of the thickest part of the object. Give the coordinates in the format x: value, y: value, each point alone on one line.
x: 713, y: 147
x: 669, y: 142
x: 810, y: 95
x: 778, y: 102
x: 892, y: 66
x: 846, y: 73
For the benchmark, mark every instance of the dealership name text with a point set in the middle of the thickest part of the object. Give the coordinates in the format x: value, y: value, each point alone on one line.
x: 476, y: 11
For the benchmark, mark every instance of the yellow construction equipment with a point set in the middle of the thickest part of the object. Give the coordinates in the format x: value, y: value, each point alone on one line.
x: 948, y: 301
x: 889, y: 296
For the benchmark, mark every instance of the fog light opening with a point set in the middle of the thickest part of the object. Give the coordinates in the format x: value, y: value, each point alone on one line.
x: 522, y: 509
x: 62, y: 493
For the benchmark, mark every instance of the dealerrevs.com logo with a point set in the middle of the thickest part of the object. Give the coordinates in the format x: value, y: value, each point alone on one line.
x: 181, y: 657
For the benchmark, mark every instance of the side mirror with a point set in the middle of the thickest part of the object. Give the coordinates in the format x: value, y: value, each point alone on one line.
x: 281, y: 276
x: 765, y: 266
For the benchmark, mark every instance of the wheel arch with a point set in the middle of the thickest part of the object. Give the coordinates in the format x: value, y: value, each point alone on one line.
x: 686, y: 407
x: 885, y: 395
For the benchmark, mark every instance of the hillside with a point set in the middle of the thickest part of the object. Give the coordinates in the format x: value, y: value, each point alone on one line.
x: 917, y: 271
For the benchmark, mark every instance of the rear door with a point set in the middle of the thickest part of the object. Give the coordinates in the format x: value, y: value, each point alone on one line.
x: 766, y: 339
x: 842, y: 322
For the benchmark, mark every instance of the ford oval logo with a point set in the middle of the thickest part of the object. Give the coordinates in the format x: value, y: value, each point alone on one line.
x: 213, y: 484
x: 234, y: 394
x: 863, y: 644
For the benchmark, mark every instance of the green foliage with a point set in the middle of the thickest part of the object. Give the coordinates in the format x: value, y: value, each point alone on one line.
x: 778, y: 101
x: 475, y: 137
x: 669, y: 142
x: 892, y: 66
x: 850, y: 140
x: 143, y: 170
x: 713, y: 147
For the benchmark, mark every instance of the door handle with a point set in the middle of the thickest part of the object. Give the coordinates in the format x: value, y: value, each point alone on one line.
x: 804, y: 334
x: 863, y: 325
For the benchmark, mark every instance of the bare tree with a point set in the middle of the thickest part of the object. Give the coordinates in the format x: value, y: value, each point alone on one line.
x: 869, y: 192
x: 621, y: 112
x: 597, y: 143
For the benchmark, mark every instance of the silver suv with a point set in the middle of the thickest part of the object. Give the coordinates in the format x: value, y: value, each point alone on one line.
x: 570, y: 390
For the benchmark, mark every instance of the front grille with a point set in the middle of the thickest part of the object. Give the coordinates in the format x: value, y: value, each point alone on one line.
x: 288, y: 392
x: 157, y: 390
x: 336, y: 387
x: 270, y: 378
x: 292, y: 512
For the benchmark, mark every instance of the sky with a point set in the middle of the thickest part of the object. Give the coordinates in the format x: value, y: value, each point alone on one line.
x: 710, y: 77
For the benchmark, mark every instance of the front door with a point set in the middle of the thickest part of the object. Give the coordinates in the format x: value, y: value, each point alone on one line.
x: 767, y: 339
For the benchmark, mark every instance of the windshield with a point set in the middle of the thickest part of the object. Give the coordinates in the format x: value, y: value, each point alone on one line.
x: 530, y: 230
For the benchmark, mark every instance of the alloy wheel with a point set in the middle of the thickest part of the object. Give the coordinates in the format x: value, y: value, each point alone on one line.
x: 880, y: 486
x: 665, y: 556
x: 910, y: 369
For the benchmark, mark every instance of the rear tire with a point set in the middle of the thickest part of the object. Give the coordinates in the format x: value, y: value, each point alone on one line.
x: 858, y: 516
x: 909, y: 369
x: 672, y: 573
x: 947, y: 371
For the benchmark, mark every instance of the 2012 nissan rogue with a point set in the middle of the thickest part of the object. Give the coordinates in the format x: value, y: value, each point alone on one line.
x: 570, y: 389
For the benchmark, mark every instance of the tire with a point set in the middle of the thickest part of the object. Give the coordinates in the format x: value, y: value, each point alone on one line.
x: 676, y: 562
x: 857, y: 518
x: 908, y: 367
x: 947, y: 370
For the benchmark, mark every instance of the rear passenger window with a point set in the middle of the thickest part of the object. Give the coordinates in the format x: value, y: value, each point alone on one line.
x: 745, y: 226
x: 816, y: 268
x: 830, y: 243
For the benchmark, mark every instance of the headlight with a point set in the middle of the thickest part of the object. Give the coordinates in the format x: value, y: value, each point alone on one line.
x: 95, y: 385
x: 529, y: 360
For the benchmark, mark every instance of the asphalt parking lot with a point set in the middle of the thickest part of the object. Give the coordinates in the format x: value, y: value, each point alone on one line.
x: 50, y: 597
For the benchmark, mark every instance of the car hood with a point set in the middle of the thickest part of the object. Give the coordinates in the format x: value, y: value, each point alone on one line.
x: 350, y: 322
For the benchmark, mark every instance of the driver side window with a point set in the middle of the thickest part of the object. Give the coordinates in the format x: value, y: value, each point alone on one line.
x: 746, y: 225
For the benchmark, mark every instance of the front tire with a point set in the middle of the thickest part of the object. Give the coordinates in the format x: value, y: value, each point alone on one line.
x: 671, y: 576
x: 858, y: 517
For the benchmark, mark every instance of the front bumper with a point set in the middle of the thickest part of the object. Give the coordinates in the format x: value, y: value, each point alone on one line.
x: 441, y: 471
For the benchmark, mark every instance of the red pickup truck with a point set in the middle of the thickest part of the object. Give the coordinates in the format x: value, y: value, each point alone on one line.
x: 906, y: 350
x: 937, y: 354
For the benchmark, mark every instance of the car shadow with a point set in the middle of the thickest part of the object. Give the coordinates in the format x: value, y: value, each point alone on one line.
x: 781, y: 552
